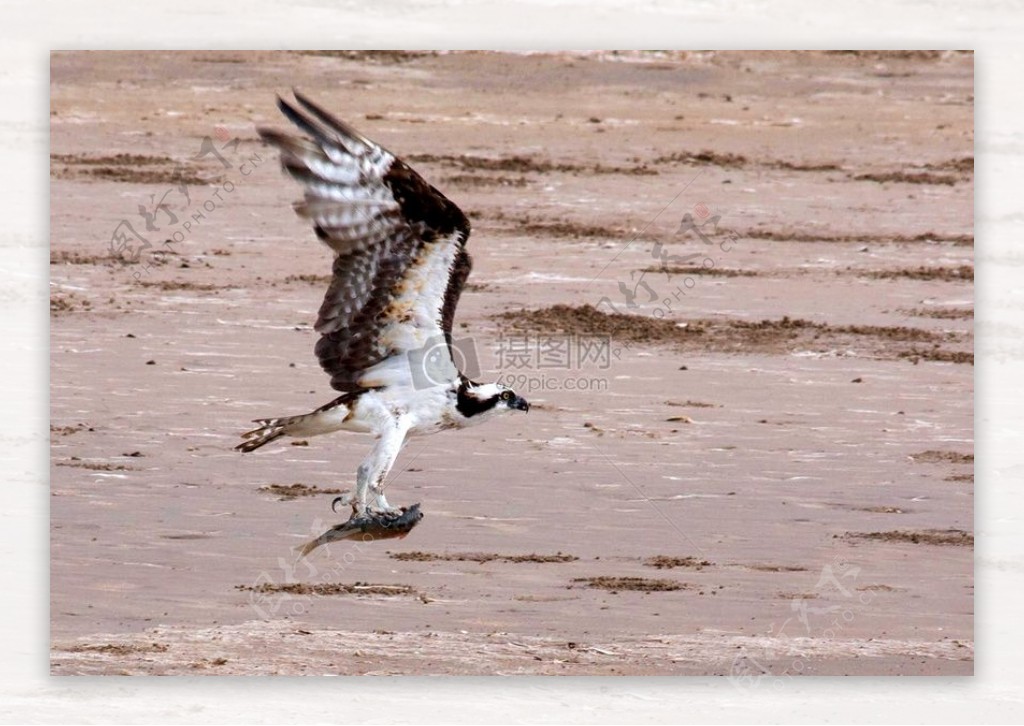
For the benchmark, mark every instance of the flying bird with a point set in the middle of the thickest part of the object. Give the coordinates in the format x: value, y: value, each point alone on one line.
x: 400, y: 265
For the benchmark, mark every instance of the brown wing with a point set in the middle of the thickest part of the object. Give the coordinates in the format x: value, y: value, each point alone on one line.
x: 460, y: 273
x: 399, y: 244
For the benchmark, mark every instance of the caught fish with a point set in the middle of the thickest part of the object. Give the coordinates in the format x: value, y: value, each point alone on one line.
x: 368, y: 527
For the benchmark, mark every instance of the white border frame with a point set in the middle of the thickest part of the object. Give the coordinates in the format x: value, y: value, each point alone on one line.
x: 29, y: 694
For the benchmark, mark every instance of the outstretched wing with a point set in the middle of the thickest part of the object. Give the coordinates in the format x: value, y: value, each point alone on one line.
x: 400, y: 261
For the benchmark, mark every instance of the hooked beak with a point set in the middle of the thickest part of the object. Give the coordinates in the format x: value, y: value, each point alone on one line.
x: 519, y: 404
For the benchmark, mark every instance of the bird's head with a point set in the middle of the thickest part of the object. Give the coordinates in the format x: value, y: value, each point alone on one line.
x: 511, y: 400
x: 475, y: 399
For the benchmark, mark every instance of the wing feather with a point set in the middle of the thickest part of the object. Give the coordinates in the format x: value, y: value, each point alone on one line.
x: 400, y: 261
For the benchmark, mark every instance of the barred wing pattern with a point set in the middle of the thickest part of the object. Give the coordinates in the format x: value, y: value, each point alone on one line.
x: 400, y: 261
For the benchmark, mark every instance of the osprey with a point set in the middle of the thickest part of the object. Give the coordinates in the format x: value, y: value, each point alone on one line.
x: 385, y: 325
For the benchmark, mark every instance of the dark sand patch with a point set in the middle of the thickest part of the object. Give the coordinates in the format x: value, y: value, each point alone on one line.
x: 379, y: 57
x: 68, y: 430
x: 207, y: 662
x: 937, y: 355
x: 872, y: 508
x: 182, y: 285
x: 152, y: 258
x: 287, y: 492
x: 524, y: 223
x: 111, y: 159
x: 77, y: 463
x: 933, y: 456
x: 665, y: 562
x: 70, y: 257
x: 774, y: 568
x: 587, y: 320
x: 125, y: 167
x: 633, y: 584
x: 946, y: 274
x: 807, y: 236
x: 940, y: 313
x: 955, y: 537
x: 473, y: 181
x: 308, y: 279
x: 908, y: 177
x: 331, y: 588
x: 218, y: 58
x: 520, y: 164
x: 785, y: 335
x: 136, y: 176
x: 691, y: 404
x: 963, y: 165
x: 890, y: 55
x: 727, y: 160
x: 704, y: 271
x: 68, y: 303
x: 149, y: 176
x: 542, y: 598
x: 480, y: 557
x: 120, y: 648
x: 571, y: 230
x: 960, y: 273
x: 961, y: 478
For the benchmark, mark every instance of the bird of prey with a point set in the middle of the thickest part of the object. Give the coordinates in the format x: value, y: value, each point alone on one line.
x: 385, y: 325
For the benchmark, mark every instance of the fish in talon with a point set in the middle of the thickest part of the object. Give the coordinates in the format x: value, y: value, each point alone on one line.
x: 368, y: 527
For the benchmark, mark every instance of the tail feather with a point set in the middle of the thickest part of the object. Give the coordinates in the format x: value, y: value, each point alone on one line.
x: 268, y: 430
x: 324, y: 420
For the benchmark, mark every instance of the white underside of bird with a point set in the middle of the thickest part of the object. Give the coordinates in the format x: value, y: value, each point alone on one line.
x: 392, y: 415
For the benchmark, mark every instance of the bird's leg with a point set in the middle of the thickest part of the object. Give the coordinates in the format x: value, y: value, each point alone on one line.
x: 380, y: 503
x: 369, y: 497
x: 358, y: 501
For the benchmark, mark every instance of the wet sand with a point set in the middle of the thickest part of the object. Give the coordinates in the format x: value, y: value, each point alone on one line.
x: 772, y: 474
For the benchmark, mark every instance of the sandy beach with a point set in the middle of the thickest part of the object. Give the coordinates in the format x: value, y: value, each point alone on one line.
x: 737, y: 289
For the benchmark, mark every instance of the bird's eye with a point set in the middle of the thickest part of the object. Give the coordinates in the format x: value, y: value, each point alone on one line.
x: 506, y: 395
